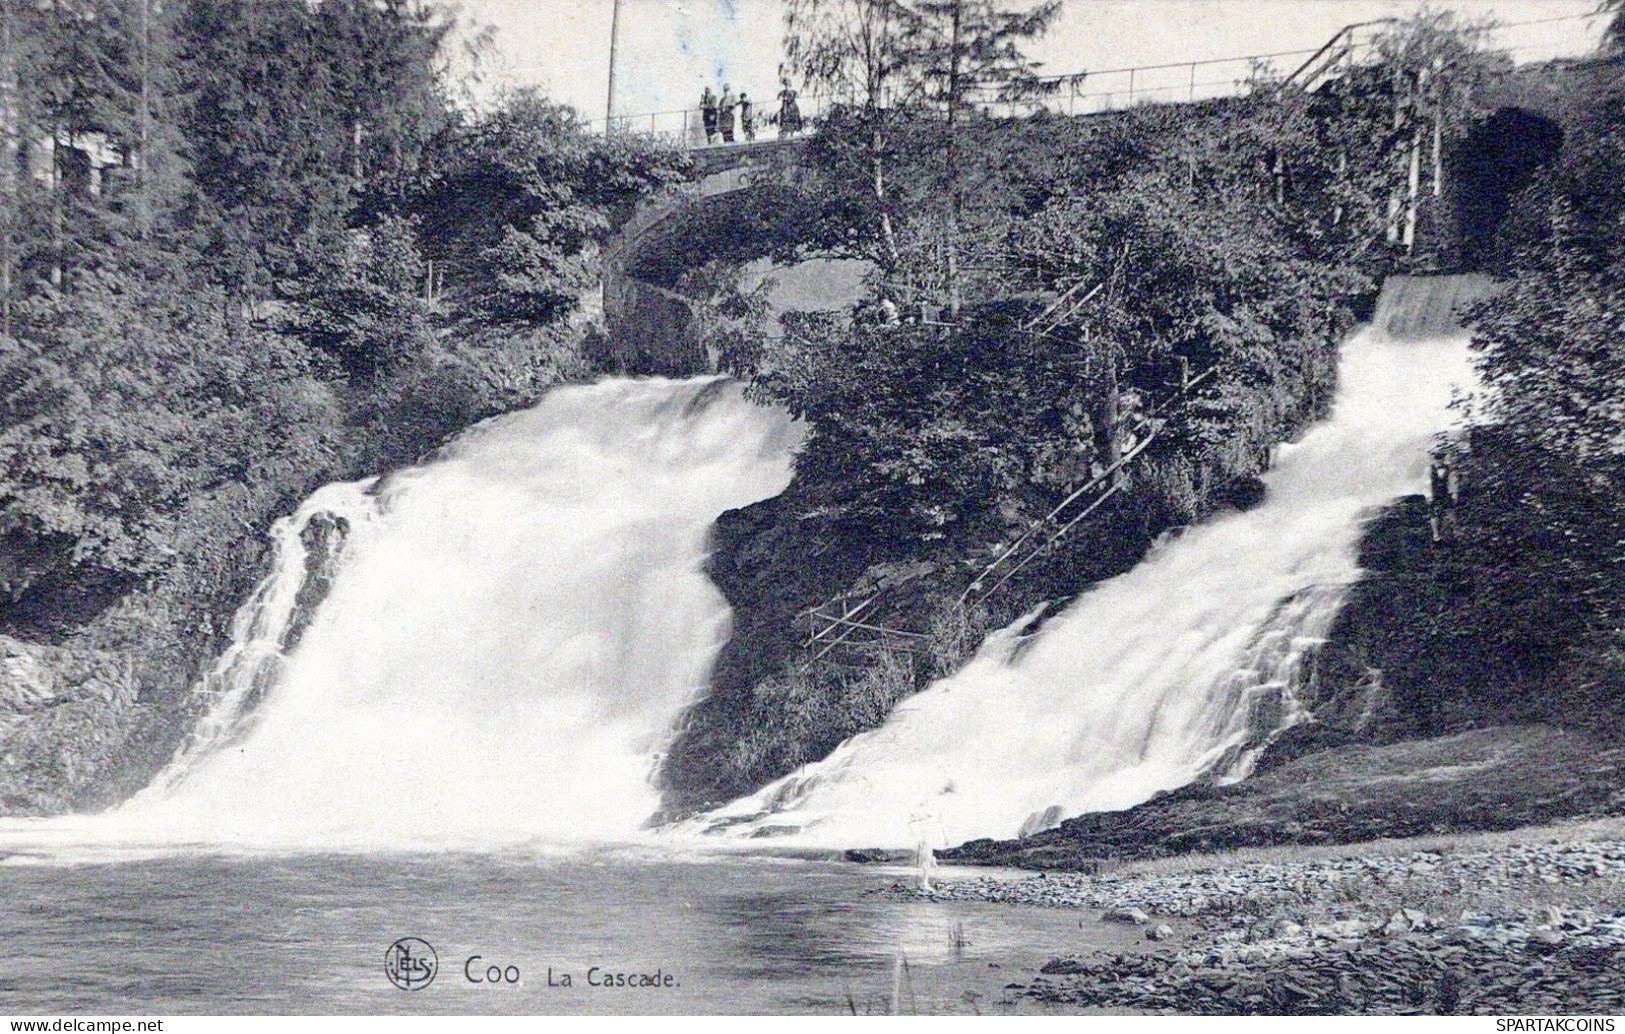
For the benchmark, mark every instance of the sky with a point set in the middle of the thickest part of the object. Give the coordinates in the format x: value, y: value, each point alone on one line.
x: 670, y: 49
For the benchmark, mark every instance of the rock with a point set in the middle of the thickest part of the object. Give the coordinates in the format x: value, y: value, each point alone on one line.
x: 1404, y: 921
x: 1545, y: 940
x: 879, y: 856
x: 1126, y: 915
x: 1160, y: 932
x: 1342, y: 930
x: 1243, y: 492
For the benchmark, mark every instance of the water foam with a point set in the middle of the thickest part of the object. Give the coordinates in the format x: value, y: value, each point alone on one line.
x: 511, y: 632
x: 1151, y: 679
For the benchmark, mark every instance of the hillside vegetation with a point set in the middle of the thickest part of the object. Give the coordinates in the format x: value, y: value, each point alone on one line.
x: 1501, y: 600
x: 245, y: 249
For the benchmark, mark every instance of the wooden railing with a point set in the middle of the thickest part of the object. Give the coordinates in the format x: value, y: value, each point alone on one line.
x: 1098, y: 490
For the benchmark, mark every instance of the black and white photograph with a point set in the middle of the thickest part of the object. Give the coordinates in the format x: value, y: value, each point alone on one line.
x: 589, y: 508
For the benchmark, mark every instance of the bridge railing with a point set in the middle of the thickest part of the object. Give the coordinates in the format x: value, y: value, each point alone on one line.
x: 685, y: 127
x: 1112, y: 89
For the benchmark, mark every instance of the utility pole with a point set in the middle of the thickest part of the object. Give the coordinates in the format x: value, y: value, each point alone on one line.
x: 614, y: 41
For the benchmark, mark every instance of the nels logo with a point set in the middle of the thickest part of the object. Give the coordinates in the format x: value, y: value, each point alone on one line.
x: 410, y: 964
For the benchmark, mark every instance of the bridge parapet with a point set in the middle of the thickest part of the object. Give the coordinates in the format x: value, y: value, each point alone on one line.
x: 649, y: 323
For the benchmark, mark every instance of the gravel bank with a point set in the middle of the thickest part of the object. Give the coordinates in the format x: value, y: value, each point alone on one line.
x: 1518, y: 928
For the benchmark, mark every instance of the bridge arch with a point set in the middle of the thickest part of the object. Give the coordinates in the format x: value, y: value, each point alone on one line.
x: 1498, y: 158
x: 748, y: 202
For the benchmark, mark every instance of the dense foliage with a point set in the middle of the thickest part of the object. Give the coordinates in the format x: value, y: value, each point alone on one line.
x: 931, y: 426
x: 246, y: 248
x: 1541, y: 529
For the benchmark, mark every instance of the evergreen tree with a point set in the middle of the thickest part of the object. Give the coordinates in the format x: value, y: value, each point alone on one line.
x: 381, y: 57
x: 515, y: 205
x: 936, y: 59
x: 296, y: 111
x: 267, y: 144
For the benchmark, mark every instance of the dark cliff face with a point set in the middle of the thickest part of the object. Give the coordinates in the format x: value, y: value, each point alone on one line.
x: 1395, y: 663
x: 778, y: 699
x: 772, y: 560
x: 89, y: 713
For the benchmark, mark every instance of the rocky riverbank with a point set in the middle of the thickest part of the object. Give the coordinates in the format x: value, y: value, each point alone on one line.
x: 1498, y: 778
x: 1477, y: 925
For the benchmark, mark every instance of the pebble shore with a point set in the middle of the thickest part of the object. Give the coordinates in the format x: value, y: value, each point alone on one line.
x: 1363, y: 934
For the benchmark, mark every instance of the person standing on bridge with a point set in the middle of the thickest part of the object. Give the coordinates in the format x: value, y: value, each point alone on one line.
x: 708, y: 114
x: 789, y: 112
x: 725, y: 114
x: 747, y: 117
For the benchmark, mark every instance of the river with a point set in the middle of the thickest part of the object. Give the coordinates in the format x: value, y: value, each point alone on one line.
x: 215, y: 934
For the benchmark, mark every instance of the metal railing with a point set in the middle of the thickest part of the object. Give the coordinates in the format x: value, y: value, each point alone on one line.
x: 1111, y: 89
x: 685, y: 127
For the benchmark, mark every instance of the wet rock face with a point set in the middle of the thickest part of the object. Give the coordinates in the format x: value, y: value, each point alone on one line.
x: 323, y: 538
x: 44, y: 595
x: 1487, y: 779
x: 772, y: 560
x: 63, y: 722
x: 1240, y: 493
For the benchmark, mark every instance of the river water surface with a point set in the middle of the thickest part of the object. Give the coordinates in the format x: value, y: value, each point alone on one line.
x: 308, y: 934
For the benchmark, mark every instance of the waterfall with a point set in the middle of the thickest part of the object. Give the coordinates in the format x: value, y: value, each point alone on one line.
x: 504, y: 639
x: 305, y: 552
x: 1180, y: 668
x: 493, y: 647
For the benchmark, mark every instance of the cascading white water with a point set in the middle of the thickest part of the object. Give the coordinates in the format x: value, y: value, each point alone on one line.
x: 1153, y: 678
x: 512, y: 631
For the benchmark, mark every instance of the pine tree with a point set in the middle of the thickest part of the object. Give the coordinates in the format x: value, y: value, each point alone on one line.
x: 917, y: 59
x: 381, y: 59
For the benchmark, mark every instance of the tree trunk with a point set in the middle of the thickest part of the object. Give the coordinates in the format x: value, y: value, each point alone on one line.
x: 58, y: 215
x: 955, y: 298
x: 888, y: 233
x: 357, y: 171
x: 10, y: 145
x: 1106, y: 419
x: 1413, y: 189
x: 1396, y: 207
x: 1438, y: 154
x: 143, y: 182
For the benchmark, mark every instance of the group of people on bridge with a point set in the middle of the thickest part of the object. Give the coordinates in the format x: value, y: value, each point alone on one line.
x: 717, y: 114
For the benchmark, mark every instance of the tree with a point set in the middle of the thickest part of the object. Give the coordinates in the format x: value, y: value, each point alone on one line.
x: 1392, y: 121
x: 123, y: 398
x: 895, y: 60
x: 381, y: 56
x: 515, y: 204
x: 371, y: 313
x: 962, y: 50
x: 286, y: 103
x: 851, y: 50
x: 15, y: 40
x: 1614, y: 34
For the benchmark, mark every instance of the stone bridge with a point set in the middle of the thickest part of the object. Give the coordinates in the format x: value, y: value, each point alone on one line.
x: 745, y: 203
x: 749, y: 201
